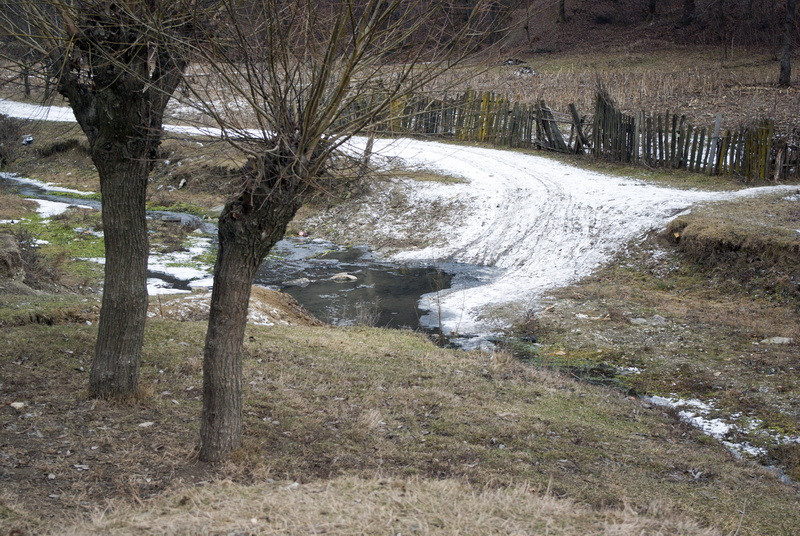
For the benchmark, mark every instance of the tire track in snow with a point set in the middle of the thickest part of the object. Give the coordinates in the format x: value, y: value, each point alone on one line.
x: 542, y: 223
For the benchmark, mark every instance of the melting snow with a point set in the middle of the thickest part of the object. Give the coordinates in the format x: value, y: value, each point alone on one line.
x: 48, y: 209
x: 541, y: 223
x: 39, y: 184
x: 698, y: 416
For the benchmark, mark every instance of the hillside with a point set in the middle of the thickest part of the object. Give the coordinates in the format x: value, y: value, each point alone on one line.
x: 655, y: 394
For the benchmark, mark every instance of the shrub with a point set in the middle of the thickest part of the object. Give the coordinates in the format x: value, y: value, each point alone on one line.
x: 10, y: 133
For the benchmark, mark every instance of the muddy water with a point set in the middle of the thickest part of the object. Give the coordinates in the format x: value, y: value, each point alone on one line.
x: 367, y: 291
x: 373, y: 292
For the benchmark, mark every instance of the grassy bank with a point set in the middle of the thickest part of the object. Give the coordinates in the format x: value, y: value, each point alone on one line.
x: 707, y: 310
x: 354, y: 409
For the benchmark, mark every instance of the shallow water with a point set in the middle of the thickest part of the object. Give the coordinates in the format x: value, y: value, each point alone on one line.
x: 382, y: 294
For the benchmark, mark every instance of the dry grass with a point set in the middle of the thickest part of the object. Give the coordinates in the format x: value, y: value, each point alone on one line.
x: 14, y: 208
x: 692, y: 81
x: 322, y: 404
x: 730, y: 283
x: 349, y: 505
x: 760, y: 251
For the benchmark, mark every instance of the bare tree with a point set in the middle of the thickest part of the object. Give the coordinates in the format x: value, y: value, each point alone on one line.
x: 651, y: 9
x: 787, y: 45
x: 687, y: 17
x: 290, y: 83
x: 109, y: 60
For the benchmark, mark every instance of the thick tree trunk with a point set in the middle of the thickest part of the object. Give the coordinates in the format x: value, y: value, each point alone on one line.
x: 115, y: 368
x: 688, y: 12
x: 562, y: 11
x: 248, y: 228
x: 120, y: 107
x: 651, y: 9
x: 123, y: 124
x: 787, y: 46
x: 221, y: 428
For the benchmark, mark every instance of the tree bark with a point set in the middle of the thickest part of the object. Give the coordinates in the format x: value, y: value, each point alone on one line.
x: 119, y: 101
x: 787, y: 45
x: 249, y: 227
x: 221, y: 428
x: 115, y: 368
x: 688, y: 12
x: 562, y: 11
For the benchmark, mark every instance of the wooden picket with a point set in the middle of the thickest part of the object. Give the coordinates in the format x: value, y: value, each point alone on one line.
x: 669, y: 140
x: 755, y: 153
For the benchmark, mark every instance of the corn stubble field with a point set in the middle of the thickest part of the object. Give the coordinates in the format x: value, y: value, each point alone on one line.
x: 364, y: 430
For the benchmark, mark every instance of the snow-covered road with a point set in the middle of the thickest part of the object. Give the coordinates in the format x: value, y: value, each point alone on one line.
x: 541, y: 223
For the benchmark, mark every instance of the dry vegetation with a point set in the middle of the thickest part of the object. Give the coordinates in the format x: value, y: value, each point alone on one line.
x: 382, y: 431
x: 692, y: 81
x: 352, y: 505
x: 692, y: 318
x: 384, y: 406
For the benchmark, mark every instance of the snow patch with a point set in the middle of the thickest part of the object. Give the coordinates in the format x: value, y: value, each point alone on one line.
x: 698, y: 414
x: 542, y: 224
x: 21, y: 110
x: 49, y: 186
x: 48, y: 209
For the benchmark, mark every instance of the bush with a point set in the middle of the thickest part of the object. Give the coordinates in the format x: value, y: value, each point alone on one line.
x: 10, y: 134
x: 42, y: 272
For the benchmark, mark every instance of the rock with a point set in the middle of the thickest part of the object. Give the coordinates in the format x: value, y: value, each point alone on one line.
x: 301, y: 282
x: 27, y: 139
x: 171, y: 218
x: 658, y: 320
x: 778, y: 340
x: 655, y: 320
x: 216, y: 211
x: 18, y: 405
x: 514, y: 61
x: 181, y: 184
x: 342, y: 277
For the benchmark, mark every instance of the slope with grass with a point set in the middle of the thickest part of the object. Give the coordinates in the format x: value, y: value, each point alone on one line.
x: 344, y: 411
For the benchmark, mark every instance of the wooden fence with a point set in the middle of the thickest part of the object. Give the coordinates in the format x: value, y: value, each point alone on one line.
x: 755, y: 152
x: 488, y: 118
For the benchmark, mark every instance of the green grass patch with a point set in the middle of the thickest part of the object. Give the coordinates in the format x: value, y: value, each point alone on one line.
x: 179, y: 206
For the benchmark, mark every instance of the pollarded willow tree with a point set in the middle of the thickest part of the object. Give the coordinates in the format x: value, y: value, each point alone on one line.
x: 289, y: 83
x: 111, y: 61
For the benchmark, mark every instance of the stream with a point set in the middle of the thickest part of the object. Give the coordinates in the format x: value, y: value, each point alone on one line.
x: 339, y: 285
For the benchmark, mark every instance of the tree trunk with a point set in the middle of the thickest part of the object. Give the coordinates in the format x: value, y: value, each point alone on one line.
x: 249, y: 227
x: 562, y: 11
x: 787, y: 46
x: 118, y: 97
x: 688, y: 12
x: 651, y: 9
x: 221, y: 428
x: 115, y: 368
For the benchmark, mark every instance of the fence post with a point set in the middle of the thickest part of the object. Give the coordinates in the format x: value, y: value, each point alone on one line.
x: 712, y: 151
